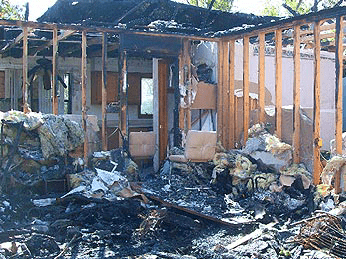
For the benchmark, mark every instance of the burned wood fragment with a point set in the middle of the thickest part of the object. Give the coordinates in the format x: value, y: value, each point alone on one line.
x: 323, y: 231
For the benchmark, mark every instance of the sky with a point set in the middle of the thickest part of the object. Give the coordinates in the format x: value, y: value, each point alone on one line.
x: 38, y: 7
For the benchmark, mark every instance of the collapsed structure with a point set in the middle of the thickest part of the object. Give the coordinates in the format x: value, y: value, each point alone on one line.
x: 183, y: 87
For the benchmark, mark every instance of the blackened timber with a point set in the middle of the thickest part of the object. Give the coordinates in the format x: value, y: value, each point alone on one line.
x: 175, y: 70
x: 317, y: 103
x: 54, y: 72
x: 123, y: 94
x: 84, y: 102
x: 338, y: 95
x: 25, y: 70
x: 104, y: 91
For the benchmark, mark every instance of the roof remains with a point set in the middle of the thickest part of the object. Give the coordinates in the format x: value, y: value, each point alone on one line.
x: 154, y: 15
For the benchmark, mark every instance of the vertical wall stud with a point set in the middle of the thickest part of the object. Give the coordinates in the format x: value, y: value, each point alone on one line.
x: 296, y: 95
x: 246, y: 102
x: 231, y: 120
x: 261, y: 77
x: 26, y: 107
x: 338, y: 94
x: 55, y: 104
x: 278, y: 83
x: 104, y: 91
x: 84, y: 102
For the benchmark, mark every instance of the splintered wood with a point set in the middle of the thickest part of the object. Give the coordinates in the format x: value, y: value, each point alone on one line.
x: 323, y: 231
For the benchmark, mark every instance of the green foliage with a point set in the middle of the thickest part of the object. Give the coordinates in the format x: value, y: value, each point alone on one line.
x: 10, y: 11
x: 271, y: 9
x: 223, y: 5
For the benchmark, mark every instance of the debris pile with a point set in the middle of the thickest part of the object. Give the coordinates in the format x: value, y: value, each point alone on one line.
x: 35, y: 147
x: 249, y: 203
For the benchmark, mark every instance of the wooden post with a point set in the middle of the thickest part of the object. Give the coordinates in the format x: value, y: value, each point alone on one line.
x: 231, y: 120
x: 278, y: 83
x: 261, y: 77
x: 236, y: 126
x: 220, y: 92
x: 26, y: 107
x: 84, y: 102
x: 317, y: 103
x: 55, y: 104
x: 104, y: 91
x: 246, y: 107
x: 338, y: 95
x: 296, y: 95
x: 123, y: 95
x: 225, y: 94
x: 188, y: 99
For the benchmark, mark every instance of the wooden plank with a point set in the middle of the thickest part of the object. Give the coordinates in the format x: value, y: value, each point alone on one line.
x: 232, y: 110
x: 296, y: 95
x: 278, y: 83
x: 338, y: 95
x: 55, y: 104
x: 163, y: 114
x: 225, y: 94
x: 246, y: 78
x: 193, y: 212
x: 104, y: 91
x: 317, y: 104
x: 220, y: 93
x: 261, y: 77
x: 26, y: 107
x: 84, y: 101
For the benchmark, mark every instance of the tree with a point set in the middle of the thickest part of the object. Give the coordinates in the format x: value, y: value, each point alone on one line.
x: 223, y: 5
x: 296, y: 7
x: 10, y: 11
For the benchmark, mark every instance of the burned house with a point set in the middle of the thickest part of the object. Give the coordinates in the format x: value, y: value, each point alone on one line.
x: 157, y: 75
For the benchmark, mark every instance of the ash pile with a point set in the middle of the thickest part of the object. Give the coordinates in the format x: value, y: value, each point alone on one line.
x: 249, y: 203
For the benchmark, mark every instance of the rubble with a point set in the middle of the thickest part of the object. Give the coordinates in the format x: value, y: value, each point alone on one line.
x: 235, y: 206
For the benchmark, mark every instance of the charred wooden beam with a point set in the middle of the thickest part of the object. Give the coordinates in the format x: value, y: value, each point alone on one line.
x: 84, y: 102
x: 104, y: 91
x: 317, y: 104
x: 26, y: 107
x: 338, y: 95
x: 54, y: 73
